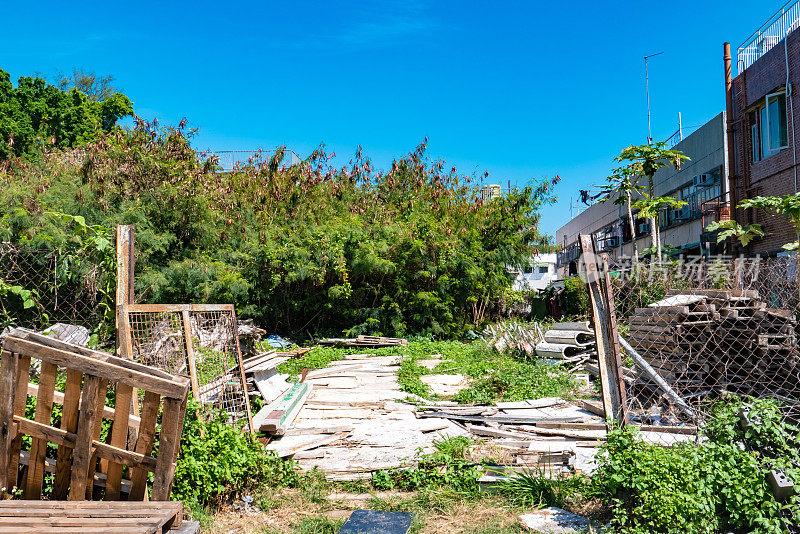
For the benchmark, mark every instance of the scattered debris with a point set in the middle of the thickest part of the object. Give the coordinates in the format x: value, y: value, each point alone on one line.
x: 514, y: 336
x: 445, y: 385
x: 556, y: 521
x: 365, y: 341
x: 569, y: 342
x: 69, y: 333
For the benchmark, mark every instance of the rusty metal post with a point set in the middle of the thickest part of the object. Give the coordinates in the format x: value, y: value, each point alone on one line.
x: 609, y: 353
x: 731, y: 174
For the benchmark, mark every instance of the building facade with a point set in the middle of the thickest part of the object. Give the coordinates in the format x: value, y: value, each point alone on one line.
x: 764, y: 116
x: 701, y: 182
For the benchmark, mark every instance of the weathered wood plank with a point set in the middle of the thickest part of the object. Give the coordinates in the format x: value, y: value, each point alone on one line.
x: 44, y: 412
x: 69, y: 423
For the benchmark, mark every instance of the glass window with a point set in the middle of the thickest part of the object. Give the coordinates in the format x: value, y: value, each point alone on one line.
x: 543, y: 269
x: 764, y: 138
x: 754, y: 138
x: 776, y: 121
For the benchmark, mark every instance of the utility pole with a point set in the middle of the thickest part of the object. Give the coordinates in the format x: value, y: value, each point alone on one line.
x: 647, y: 90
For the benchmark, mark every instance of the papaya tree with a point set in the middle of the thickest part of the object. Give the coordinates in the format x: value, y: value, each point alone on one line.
x: 625, y: 183
x: 651, y: 208
x: 646, y: 160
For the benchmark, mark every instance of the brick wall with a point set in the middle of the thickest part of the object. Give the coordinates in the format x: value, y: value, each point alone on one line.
x: 775, y: 175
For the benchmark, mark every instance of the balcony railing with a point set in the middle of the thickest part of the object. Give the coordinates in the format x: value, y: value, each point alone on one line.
x: 772, y: 32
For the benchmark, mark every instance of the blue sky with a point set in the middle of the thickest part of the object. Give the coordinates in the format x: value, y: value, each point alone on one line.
x: 519, y: 89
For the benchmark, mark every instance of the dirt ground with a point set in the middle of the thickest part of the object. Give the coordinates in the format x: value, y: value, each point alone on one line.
x: 296, y: 511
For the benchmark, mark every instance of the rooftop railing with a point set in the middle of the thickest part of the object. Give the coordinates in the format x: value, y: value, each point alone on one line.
x: 227, y: 160
x: 772, y: 32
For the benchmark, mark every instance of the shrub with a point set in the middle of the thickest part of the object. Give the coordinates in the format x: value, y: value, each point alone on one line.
x: 305, y: 249
x: 219, y: 461
x: 686, y: 488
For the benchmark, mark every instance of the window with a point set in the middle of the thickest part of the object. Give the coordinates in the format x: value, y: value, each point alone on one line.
x: 768, y: 131
x: 543, y: 269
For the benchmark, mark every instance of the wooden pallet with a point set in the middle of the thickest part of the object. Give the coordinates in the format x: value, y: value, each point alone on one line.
x: 76, y: 517
x: 82, y: 457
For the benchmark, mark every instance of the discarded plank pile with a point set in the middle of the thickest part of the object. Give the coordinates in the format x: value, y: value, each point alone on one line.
x: 569, y: 342
x: 73, y: 517
x: 549, y: 435
x: 350, y: 421
x: 365, y: 341
x: 513, y: 336
x: 83, y: 463
x: 705, y: 341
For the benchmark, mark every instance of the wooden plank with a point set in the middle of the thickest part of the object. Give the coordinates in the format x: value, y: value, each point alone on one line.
x: 501, y: 419
x: 8, y: 372
x: 98, y: 427
x: 69, y: 423
x: 20, y: 403
x: 609, y: 354
x: 276, y: 416
x: 43, y: 415
x: 52, y: 342
x: 43, y: 432
x: 121, y: 457
x: 82, y: 452
x: 106, y: 369
x: 190, y: 356
x: 119, y: 438
x: 50, y: 467
x: 168, y: 442
x: 164, y: 308
x: 125, y: 277
x: 144, y: 443
x: 241, y: 371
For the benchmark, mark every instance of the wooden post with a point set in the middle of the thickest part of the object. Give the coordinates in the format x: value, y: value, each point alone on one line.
x: 609, y: 354
x: 125, y: 261
x: 8, y: 371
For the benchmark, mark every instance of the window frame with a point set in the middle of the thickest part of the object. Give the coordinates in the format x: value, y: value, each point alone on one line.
x: 760, y: 130
x: 783, y: 118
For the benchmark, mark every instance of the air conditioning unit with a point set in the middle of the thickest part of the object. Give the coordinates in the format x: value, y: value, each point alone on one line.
x: 643, y: 228
x: 612, y: 242
x: 767, y: 42
x: 683, y: 213
x: 703, y: 180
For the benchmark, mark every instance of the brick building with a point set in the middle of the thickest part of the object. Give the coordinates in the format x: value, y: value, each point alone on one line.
x: 764, y: 115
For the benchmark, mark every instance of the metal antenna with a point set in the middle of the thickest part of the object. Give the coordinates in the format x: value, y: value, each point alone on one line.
x: 647, y: 89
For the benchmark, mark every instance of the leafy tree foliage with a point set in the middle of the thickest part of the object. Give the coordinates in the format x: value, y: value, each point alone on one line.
x: 305, y: 249
x: 94, y: 86
x: 36, y: 113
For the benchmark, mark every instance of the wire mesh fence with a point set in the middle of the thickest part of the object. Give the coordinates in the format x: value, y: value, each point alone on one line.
x: 710, y: 329
x: 198, y: 340
x: 63, y: 286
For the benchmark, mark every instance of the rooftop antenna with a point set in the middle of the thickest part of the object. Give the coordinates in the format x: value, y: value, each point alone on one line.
x: 647, y: 89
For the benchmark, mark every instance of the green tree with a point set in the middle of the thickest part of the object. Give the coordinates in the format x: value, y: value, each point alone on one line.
x: 96, y: 87
x: 625, y: 183
x: 646, y: 160
x: 36, y: 113
x: 730, y: 228
x: 651, y: 208
x: 306, y: 250
x: 788, y: 205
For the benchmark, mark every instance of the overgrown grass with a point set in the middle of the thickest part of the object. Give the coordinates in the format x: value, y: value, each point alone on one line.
x: 494, y: 376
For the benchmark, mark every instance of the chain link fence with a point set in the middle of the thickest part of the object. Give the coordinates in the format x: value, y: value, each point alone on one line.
x: 63, y: 286
x: 710, y: 329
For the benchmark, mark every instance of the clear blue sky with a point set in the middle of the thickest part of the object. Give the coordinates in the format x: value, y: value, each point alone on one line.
x: 520, y: 89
